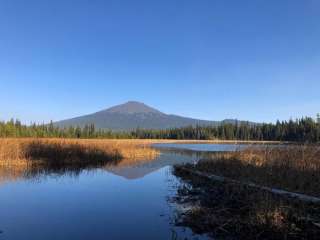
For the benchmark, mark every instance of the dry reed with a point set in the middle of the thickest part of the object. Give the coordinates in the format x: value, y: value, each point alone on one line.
x: 30, y: 156
x: 293, y: 168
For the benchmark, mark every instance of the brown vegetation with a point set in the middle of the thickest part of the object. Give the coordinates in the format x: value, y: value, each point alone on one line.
x: 30, y: 156
x: 228, y: 209
x: 293, y: 168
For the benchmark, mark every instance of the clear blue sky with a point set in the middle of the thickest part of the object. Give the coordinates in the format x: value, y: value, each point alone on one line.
x: 256, y: 60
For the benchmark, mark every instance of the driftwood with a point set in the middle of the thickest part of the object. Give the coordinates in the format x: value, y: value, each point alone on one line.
x: 299, y: 196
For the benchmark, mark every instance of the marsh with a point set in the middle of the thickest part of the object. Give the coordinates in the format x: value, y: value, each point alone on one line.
x: 121, y: 197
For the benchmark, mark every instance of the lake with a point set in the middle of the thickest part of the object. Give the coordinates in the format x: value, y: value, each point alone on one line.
x: 115, y: 202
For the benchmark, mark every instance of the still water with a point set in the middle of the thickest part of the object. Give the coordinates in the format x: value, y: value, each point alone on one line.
x: 118, y: 202
x: 204, y: 147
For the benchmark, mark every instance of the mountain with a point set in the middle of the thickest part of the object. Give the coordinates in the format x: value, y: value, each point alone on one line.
x: 132, y: 115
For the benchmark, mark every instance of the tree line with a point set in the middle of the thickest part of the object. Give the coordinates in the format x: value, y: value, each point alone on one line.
x: 14, y: 128
x: 300, y: 130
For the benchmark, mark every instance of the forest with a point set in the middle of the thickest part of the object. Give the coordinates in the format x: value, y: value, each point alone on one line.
x: 300, y: 130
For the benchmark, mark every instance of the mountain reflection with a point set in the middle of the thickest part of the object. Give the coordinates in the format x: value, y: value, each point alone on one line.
x: 128, y: 168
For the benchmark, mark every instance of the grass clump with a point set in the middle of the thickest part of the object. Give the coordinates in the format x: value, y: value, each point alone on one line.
x: 33, y: 156
x: 232, y: 210
x: 292, y: 168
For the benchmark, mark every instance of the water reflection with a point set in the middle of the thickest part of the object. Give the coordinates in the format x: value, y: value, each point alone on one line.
x: 143, y: 168
x: 127, y: 168
x: 128, y: 199
x: 203, y: 147
x: 92, y: 206
x: 38, y: 171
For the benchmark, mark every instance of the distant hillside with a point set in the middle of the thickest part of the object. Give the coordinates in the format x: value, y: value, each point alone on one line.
x: 132, y: 115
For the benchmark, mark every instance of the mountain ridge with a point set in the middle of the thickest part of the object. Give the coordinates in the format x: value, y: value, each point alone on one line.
x: 132, y: 107
x: 132, y: 115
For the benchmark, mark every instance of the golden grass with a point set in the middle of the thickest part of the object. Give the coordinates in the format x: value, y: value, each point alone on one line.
x: 294, y: 168
x: 16, y: 149
x: 19, y: 157
x: 300, y: 157
x: 15, y: 152
x: 231, y: 210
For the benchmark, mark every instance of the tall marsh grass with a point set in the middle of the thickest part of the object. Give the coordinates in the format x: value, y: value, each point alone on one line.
x: 30, y: 156
x: 294, y: 168
x: 228, y: 210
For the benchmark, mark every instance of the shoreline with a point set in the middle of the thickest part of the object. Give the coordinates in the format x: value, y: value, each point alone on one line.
x: 152, y: 141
